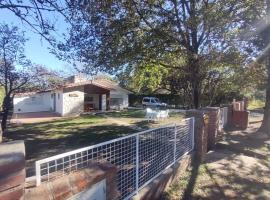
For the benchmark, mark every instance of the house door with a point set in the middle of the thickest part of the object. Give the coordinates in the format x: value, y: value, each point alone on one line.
x: 54, y: 102
x: 104, y: 102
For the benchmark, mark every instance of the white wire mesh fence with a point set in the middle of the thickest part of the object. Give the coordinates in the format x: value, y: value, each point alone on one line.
x: 139, y: 157
x: 223, y: 119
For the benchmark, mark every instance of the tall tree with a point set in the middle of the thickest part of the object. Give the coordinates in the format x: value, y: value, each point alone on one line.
x: 265, y: 33
x: 257, y: 30
x: 113, y: 34
x: 13, y: 75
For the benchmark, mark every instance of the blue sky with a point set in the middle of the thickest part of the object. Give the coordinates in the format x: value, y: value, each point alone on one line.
x: 36, y: 48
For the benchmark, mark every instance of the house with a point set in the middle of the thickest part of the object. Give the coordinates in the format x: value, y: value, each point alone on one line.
x: 76, y: 96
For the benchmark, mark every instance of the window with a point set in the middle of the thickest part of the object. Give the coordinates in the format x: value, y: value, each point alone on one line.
x: 58, y: 95
x: 116, y: 101
x: 52, y: 96
x: 88, y: 98
x: 146, y: 100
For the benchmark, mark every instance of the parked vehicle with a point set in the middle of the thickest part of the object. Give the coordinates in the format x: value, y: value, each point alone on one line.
x: 152, y: 102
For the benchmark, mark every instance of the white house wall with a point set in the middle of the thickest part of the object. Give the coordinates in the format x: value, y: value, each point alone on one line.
x: 33, y: 103
x: 59, y: 102
x: 73, y: 101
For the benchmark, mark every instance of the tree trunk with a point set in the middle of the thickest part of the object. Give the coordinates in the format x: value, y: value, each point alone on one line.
x: 6, y: 108
x: 1, y: 136
x: 265, y: 126
x: 196, y: 96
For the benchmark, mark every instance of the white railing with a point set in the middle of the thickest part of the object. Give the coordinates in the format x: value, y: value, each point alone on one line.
x: 139, y: 157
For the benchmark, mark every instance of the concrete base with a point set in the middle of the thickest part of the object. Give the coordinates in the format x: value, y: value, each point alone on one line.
x: 155, y: 189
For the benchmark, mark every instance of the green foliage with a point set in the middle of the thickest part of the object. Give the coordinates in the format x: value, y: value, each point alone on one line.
x: 188, y: 38
x: 255, y: 104
x: 148, y: 78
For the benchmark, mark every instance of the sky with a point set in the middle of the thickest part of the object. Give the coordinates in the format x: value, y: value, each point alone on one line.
x: 36, y: 48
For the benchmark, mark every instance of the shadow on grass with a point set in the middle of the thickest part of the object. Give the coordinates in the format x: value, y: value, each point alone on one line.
x: 236, y: 169
x: 54, y: 138
x: 196, y: 162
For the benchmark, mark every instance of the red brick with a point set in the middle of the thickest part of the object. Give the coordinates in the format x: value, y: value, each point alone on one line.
x: 12, y: 157
x: 38, y: 193
x: 60, y: 188
x: 12, y: 180
x: 12, y: 194
x: 78, y: 181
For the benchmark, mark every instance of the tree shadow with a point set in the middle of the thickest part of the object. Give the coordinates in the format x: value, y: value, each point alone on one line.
x: 42, y: 144
x: 196, y: 162
x: 238, y: 168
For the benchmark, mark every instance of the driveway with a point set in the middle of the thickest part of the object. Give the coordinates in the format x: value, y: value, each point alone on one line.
x: 26, y: 118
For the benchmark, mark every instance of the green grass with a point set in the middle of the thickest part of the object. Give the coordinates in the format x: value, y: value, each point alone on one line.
x: 255, y: 104
x: 128, y: 114
x: 177, y: 190
x: 51, y: 138
x: 54, y: 137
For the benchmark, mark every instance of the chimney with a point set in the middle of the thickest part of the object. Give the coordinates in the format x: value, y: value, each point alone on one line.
x: 76, y: 79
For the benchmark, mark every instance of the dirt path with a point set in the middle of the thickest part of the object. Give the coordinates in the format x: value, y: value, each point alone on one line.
x: 239, y: 168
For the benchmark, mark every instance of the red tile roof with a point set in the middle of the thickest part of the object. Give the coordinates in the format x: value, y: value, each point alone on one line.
x: 103, y: 83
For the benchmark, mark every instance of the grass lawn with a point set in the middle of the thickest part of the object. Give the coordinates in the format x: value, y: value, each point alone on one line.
x: 256, y: 104
x: 46, y: 139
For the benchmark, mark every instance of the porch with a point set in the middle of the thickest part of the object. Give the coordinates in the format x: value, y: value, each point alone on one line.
x: 96, y: 98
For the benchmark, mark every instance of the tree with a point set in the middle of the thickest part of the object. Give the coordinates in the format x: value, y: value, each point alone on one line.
x: 44, y: 78
x: 13, y: 73
x: 34, y: 13
x: 145, y: 78
x: 257, y: 22
x: 113, y: 34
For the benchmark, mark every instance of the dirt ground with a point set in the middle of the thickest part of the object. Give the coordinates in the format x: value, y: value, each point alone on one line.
x: 239, y: 168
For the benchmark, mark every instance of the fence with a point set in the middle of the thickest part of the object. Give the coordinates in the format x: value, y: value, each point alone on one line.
x: 223, y: 120
x: 139, y: 157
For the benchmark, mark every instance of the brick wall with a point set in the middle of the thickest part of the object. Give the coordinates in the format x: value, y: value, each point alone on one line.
x: 200, y: 131
x: 12, y: 170
x: 214, y: 114
x: 76, y: 182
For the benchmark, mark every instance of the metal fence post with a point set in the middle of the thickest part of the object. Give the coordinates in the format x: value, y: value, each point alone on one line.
x: 38, y: 178
x: 174, y: 148
x: 137, y: 163
x: 192, y: 132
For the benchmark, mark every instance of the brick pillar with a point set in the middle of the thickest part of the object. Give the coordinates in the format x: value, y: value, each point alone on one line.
x: 213, y: 113
x: 200, y: 131
x: 12, y: 170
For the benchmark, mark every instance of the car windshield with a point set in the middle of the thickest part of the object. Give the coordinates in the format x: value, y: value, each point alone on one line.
x: 157, y: 100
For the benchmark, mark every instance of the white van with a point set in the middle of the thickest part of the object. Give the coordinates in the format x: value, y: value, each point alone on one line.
x: 152, y: 102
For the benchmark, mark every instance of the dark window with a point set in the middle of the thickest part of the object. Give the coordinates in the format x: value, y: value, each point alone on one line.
x: 87, y: 98
x: 116, y: 101
x: 58, y: 95
x: 146, y: 100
